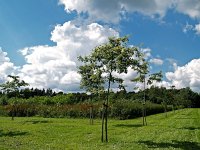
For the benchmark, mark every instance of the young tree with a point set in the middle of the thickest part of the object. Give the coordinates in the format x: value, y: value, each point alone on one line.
x: 143, y: 69
x: 13, y: 86
x: 113, y: 56
x: 91, y: 80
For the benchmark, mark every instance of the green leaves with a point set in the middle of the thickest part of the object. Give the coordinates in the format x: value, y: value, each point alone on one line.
x: 91, y: 78
x: 13, y: 85
x: 155, y: 77
x: 113, y: 56
x: 142, y: 67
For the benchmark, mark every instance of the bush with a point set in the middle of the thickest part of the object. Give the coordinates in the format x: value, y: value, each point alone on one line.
x: 3, y: 111
x: 3, y: 100
x: 21, y: 110
x: 124, y: 109
x: 120, y: 109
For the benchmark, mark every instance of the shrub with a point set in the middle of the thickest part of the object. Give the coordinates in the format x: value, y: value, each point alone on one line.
x: 124, y: 109
x: 120, y: 109
x: 3, y: 111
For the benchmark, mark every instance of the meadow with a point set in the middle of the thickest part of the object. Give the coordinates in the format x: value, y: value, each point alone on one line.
x: 179, y: 130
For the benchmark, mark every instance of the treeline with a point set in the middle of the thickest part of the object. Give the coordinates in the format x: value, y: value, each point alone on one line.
x: 158, y: 95
x: 184, y: 97
x: 123, y: 105
x: 41, y: 96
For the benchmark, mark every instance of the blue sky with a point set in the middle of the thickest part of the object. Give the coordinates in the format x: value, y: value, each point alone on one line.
x: 28, y: 23
x: 40, y: 40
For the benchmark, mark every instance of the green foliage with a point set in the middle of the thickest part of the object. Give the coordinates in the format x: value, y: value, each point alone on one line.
x: 91, y: 78
x: 142, y: 69
x: 3, y: 111
x: 3, y: 100
x: 123, y: 105
x: 121, y: 109
x: 114, y: 56
x: 125, y: 109
x: 155, y: 77
x: 13, y: 85
x: 185, y: 97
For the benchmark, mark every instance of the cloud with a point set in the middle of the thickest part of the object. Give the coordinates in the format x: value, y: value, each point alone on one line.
x: 79, y: 40
x: 113, y: 11
x: 173, y: 63
x: 6, y: 67
x: 147, y: 52
x: 156, y: 61
x: 97, y: 10
x: 188, y: 7
x: 197, y: 29
x: 149, y: 8
x: 55, y: 67
x: 186, y: 76
x: 187, y: 27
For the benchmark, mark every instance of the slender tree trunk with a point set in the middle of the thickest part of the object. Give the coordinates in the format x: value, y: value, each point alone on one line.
x: 91, y: 115
x: 91, y: 111
x: 144, y: 120
x: 106, y: 118
x: 13, y: 111
x: 106, y: 124
x: 144, y: 106
x: 105, y: 115
x: 173, y: 108
x: 143, y: 113
x: 102, y: 128
x: 106, y: 104
x: 12, y: 115
x: 165, y: 110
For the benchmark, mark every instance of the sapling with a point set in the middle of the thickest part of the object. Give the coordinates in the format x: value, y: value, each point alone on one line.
x: 115, y: 56
x: 13, y: 86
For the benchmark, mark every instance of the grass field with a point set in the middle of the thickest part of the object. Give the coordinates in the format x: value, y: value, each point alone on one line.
x: 180, y: 130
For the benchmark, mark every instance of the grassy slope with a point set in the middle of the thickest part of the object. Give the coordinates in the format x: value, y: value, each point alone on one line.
x: 178, y: 131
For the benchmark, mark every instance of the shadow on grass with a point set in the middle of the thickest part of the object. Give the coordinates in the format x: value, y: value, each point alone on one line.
x: 191, y: 128
x: 184, y: 145
x: 129, y: 125
x: 12, y: 133
x: 38, y: 121
x: 184, y: 118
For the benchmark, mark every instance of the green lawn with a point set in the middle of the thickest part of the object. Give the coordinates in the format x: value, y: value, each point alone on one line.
x: 180, y: 130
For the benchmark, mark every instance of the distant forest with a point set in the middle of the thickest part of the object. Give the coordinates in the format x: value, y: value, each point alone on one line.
x: 184, y: 97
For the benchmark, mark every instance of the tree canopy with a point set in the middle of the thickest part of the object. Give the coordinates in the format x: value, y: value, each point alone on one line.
x: 13, y: 85
x: 114, y: 56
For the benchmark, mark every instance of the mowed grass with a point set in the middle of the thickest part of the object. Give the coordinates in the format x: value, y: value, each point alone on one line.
x: 180, y: 130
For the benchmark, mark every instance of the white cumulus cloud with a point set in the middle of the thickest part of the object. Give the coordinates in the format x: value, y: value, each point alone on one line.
x: 113, y: 10
x: 6, y: 67
x: 55, y: 67
x: 186, y: 76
